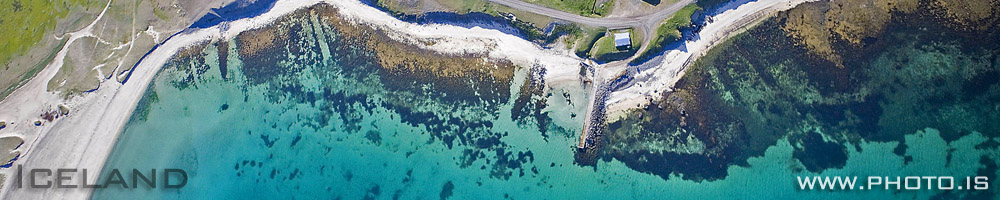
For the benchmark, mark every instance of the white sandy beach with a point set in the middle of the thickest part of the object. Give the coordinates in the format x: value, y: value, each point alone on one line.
x: 660, y: 73
x: 84, y: 138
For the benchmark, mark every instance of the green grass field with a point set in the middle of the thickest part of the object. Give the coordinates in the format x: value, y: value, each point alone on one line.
x: 586, y: 40
x: 580, y: 38
x: 605, y: 8
x: 580, y: 7
x: 466, y: 6
x: 669, y: 31
x: 527, y: 21
x: 24, y: 24
x: 604, y: 48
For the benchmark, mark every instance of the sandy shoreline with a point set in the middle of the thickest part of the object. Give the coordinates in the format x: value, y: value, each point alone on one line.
x: 659, y: 74
x: 84, y: 138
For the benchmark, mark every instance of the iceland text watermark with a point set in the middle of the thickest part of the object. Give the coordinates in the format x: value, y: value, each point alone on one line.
x: 894, y: 183
x: 78, y: 178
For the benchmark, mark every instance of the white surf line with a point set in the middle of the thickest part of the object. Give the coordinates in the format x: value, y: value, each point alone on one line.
x: 24, y: 105
x: 561, y: 65
x: 661, y: 73
x: 84, y: 138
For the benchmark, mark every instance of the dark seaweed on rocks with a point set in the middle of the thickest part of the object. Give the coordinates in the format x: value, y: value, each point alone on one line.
x: 190, y: 64
x: 760, y: 86
x: 223, y: 48
x: 261, y: 51
x: 531, y: 100
x: 447, y: 190
x: 818, y: 155
x: 366, y: 71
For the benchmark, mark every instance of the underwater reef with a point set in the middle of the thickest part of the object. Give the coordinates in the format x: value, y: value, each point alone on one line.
x: 826, y: 76
x: 349, y: 70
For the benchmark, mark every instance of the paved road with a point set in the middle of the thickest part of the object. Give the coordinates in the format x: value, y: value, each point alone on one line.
x: 542, y: 10
x: 648, y: 23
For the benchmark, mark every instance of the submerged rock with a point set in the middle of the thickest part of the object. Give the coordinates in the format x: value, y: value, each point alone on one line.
x: 875, y: 71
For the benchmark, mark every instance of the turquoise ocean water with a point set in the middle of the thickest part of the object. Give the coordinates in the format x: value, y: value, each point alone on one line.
x: 326, y: 126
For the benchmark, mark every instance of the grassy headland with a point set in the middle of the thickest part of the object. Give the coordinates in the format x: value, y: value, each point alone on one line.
x: 23, y: 25
x: 577, y: 37
x: 604, y: 50
x: 669, y: 31
x: 580, y: 7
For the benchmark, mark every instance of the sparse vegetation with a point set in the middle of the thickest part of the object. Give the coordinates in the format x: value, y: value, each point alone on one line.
x: 605, y: 8
x: 23, y: 25
x: 31, y: 33
x: 604, y: 49
x: 528, y: 23
x: 397, y: 7
x: 605, y: 45
x: 10, y: 145
x: 586, y: 41
x: 531, y: 24
x: 580, y: 7
x: 669, y: 31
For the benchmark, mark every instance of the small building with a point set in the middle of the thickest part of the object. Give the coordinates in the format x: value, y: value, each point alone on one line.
x: 623, y: 40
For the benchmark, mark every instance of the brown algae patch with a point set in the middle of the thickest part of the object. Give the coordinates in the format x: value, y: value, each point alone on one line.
x: 821, y: 25
x: 393, y: 55
x: 466, y: 76
x: 817, y: 25
x: 686, y: 133
x: 398, y: 56
x: 805, y: 24
x: 189, y: 63
x: 971, y: 14
x: 761, y: 86
x: 256, y: 40
x: 531, y: 101
x: 350, y: 69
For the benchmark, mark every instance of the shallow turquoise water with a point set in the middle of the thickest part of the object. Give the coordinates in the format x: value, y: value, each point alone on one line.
x: 329, y: 128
